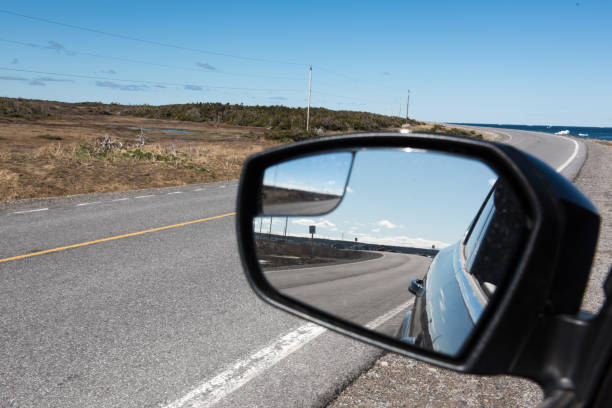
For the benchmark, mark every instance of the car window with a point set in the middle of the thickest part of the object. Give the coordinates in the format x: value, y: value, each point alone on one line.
x: 476, y: 235
x: 491, y: 239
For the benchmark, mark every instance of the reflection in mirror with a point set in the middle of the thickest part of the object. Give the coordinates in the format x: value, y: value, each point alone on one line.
x: 312, y: 185
x: 415, y: 250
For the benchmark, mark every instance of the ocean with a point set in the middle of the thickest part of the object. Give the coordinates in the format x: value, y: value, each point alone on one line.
x: 602, y: 133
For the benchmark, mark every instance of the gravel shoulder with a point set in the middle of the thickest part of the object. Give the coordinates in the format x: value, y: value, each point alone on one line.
x: 396, y: 381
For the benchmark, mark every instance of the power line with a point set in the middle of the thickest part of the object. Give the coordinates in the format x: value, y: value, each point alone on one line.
x: 179, y: 47
x: 174, y: 46
x: 140, y: 81
x: 147, y: 82
x: 161, y: 44
x: 215, y: 71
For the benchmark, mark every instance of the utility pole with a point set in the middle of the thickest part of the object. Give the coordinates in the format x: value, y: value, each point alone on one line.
x: 270, y: 230
x: 308, y: 110
x: 407, y: 105
x: 312, y: 229
x: 286, y: 221
x: 400, y: 109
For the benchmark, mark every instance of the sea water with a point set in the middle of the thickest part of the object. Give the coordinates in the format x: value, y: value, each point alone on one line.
x: 602, y: 133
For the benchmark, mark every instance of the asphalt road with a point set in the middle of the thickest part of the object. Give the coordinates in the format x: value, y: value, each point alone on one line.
x: 117, y: 302
x: 359, y: 292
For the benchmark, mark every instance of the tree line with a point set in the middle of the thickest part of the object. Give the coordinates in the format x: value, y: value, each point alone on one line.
x: 277, y: 118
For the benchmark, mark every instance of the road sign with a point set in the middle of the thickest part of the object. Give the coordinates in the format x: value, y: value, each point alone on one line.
x: 313, y: 229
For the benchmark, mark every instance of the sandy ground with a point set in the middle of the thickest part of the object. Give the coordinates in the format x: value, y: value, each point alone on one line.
x: 396, y: 381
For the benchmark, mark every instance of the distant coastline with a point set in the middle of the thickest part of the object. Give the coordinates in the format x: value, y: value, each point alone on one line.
x: 587, y: 132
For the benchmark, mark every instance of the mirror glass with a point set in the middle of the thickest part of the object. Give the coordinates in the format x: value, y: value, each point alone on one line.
x: 414, y: 247
x: 311, y: 185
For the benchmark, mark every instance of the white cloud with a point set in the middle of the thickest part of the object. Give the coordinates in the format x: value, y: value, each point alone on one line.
x: 349, y: 190
x: 402, y: 240
x: 376, y: 230
x: 318, y: 224
x: 399, y: 240
x: 386, y: 224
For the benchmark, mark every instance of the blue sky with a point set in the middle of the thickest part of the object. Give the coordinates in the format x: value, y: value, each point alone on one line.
x: 426, y: 198
x: 323, y: 173
x: 524, y: 62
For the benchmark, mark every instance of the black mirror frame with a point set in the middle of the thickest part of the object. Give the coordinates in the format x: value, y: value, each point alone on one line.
x: 505, y: 329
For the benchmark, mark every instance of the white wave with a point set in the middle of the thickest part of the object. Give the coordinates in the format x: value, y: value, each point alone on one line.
x: 583, y: 134
x: 562, y: 132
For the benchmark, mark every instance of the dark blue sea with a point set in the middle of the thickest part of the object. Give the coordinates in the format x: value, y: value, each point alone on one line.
x: 602, y: 133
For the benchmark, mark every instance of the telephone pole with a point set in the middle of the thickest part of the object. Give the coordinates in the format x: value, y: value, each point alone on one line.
x: 309, y: 88
x: 286, y: 221
x: 407, y: 105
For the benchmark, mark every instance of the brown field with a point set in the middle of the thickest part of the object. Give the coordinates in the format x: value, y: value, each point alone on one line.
x: 80, y: 152
x: 54, y: 157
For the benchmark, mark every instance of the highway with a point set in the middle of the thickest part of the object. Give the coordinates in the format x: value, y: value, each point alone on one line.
x: 359, y: 292
x: 138, y: 299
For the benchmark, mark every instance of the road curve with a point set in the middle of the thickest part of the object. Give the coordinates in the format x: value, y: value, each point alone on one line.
x: 164, y: 317
x: 358, y: 291
x: 564, y: 154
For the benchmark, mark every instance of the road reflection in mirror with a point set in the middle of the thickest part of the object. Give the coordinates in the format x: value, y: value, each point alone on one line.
x: 415, y: 249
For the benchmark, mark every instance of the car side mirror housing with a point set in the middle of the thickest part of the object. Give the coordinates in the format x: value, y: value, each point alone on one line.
x: 520, y: 255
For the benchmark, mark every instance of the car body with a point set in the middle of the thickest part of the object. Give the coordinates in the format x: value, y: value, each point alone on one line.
x: 451, y: 293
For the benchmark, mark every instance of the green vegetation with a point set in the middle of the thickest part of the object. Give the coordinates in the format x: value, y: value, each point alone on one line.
x: 50, y: 137
x: 283, y: 123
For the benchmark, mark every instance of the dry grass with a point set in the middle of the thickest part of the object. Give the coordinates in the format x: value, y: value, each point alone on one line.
x: 603, y: 142
x: 58, y: 156
x: 447, y: 130
x: 32, y: 166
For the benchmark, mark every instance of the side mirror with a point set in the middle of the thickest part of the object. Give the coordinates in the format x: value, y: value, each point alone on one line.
x: 478, y: 231
x: 417, y: 287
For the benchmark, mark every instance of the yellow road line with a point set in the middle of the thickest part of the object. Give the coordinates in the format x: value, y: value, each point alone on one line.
x: 97, y: 241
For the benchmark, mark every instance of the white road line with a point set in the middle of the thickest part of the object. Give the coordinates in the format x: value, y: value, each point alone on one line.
x: 572, y: 157
x: 176, y: 192
x: 568, y: 161
x: 199, y: 189
x: 30, y: 211
x: 121, y: 199
x: 380, y: 320
x: 90, y: 203
x: 243, y: 371
x: 145, y: 196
